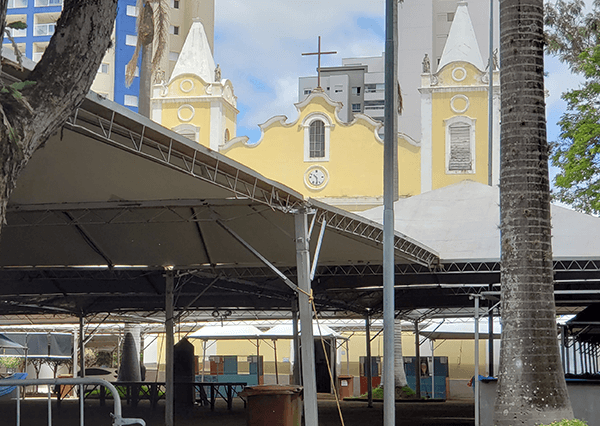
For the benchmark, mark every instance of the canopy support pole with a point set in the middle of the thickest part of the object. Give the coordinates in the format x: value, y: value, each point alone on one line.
x: 476, y: 297
x: 296, y: 340
x: 275, y: 354
x: 417, y: 360
x: 491, y: 338
x: 368, y: 371
x: 169, y: 350
x: 306, y: 334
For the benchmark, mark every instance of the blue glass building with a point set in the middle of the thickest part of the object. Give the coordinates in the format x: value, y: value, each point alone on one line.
x: 41, y: 16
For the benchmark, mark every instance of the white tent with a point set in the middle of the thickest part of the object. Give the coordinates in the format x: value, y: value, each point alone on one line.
x: 227, y: 332
x: 462, y: 223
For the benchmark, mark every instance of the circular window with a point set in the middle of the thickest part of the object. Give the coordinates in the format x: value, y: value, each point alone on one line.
x: 459, y: 74
x: 459, y: 104
x: 185, y: 112
x: 186, y: 85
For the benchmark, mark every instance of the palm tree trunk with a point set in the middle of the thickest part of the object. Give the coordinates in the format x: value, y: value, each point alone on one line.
x: 531, y: 388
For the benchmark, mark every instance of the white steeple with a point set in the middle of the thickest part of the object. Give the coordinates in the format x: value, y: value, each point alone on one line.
x: 461, y: 44
x: 196, y: 57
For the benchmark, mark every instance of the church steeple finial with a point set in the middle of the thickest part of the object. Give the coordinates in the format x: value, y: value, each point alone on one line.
x: 461, y: 44
x: 196, y: 57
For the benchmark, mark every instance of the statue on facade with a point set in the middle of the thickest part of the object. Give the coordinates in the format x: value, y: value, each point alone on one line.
x: 218, y: 73
x: 495, y: 60
x: 426, y: 64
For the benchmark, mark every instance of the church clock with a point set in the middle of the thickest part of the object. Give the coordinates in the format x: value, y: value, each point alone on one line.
x: 316, y: 177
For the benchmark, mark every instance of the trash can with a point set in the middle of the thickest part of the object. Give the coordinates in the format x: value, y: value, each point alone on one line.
x: 345, y: 386
x: 273, y: 405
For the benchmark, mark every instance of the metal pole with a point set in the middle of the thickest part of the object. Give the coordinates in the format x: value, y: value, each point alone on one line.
x: 368, y: 371
x: 347, y: 358
x: 297, y: 358
x: 390, y: 161
x: 275, y: 353
x: 417, y: 361
x: 82, y: 362
x: 311, y: 417
x: 491, y: 336
x: 258, y: 363
x: 204, y: 342
x: 433, y: 369
x: 563, y: 346
x: 476, y: 379
x: 491, y: 98
x: 169, y: 350
x: 567, y: 356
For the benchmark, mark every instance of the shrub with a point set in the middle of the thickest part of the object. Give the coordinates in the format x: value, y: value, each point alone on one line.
x: 569, y: 423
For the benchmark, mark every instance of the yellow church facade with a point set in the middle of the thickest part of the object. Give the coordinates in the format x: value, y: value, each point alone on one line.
x: 341, y: 163
x: 322, y: 156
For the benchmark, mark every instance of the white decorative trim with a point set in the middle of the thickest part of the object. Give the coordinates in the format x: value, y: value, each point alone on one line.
x: 217, y: 125
x: 426, y: 143
x: 241, y: 140
x: 188, y: 107
x: 187, y: 80
x: 308, y: 120
x: 471, y: 123
x: 409, y: 139
x: 321, y: 169
x: 455, y: 76
x: 184, y: 129
x: 457, y: 110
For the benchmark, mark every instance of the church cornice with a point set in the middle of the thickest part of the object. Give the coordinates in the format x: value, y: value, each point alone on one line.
x: 198, y: 99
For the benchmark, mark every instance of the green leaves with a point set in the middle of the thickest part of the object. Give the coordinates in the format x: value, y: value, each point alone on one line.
x: 17, y: 25
x: 15, y: 88
x: 577, y: 153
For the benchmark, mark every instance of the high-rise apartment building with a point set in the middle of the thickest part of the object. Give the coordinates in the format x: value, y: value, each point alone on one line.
x: 41, y: 16
x: 358, y: 84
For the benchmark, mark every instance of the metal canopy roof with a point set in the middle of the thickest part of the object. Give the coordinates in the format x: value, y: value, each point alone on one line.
x: 114, y: 198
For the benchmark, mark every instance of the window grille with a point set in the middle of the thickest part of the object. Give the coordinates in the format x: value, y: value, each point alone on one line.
x: 317, y: 139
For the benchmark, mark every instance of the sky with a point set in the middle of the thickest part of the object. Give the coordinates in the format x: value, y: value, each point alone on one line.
x: 259, y: 46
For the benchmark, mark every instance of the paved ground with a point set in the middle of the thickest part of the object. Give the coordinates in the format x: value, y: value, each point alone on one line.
x: 34, y: 413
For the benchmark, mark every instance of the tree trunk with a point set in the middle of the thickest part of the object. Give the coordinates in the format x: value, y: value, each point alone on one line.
x: 31, y: 113
x: 399, y: 373
x: 531, y: 388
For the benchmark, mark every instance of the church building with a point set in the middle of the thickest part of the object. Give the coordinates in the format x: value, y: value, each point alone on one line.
x: 333, y: 160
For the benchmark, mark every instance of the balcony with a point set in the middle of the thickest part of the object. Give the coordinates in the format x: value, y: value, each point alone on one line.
x: 17, y: 4
x: 46, y: 3
x: 44, y: 29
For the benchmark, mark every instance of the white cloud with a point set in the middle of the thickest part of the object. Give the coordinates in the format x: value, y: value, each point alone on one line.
x: 259, y: 46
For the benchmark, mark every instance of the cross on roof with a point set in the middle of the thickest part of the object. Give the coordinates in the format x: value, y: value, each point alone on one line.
x: 319, y: 53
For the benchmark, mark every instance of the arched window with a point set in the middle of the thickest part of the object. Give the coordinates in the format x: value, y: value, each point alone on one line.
x: 317, y: 139
x: 317, y: 131
x: 226, y: 137
x: 460, y: 145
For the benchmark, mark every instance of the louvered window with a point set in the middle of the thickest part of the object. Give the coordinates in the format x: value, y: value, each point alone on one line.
x: 460, y: 148
x: 317, y: 139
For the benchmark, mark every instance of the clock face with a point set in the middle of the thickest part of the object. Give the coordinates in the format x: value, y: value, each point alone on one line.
x: 316, y: 177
